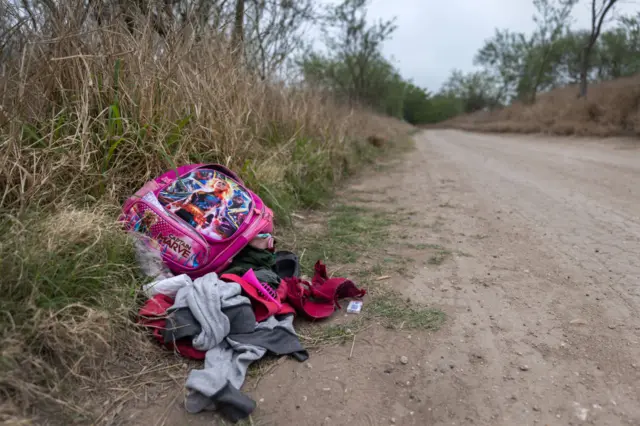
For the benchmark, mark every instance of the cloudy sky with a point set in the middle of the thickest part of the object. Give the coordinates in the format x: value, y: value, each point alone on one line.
x: 435, y: 36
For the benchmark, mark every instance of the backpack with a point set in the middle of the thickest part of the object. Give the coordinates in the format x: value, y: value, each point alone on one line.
x: 198, y: 216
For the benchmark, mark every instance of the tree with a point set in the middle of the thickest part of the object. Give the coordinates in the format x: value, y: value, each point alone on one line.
x: 237, y: 37
x: 599, y: 11
x: 357, y: 45
x: 552, y: 18
x: 504, y: 57
x: 273, y: 32
x: 476, y: 90
x: 611, y: 54
x: 353, y: 66
x: 443, y: 107
x: 617, y: 53
x: 416, y: 104
x: 567, y: 57
x: 523, y: 65
x: 376, y: 88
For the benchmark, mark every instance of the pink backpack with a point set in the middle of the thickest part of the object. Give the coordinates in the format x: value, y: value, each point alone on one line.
x: 199, y: 217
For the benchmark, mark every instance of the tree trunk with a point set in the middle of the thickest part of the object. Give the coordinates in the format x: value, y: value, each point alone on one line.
x: 584, y: 70
x: 597, y: 18
x: 237, y: 38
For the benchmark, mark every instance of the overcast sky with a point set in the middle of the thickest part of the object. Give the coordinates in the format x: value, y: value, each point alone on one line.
x: 435, y: 36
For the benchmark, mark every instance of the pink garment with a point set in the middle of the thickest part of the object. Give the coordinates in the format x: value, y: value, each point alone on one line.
x: 263, y: 308
x: 320, y: 298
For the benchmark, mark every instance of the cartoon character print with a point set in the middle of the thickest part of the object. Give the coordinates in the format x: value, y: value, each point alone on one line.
x: 210, y: 202
x: 132, y: 218
x: 149, y: 219
x: 141, y: 223
x: 237, y: 208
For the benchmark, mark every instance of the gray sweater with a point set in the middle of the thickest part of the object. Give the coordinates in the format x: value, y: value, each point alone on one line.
x: 221, y: 322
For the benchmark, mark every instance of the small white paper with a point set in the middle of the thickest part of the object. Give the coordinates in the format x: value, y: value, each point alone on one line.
x: 355, y: 306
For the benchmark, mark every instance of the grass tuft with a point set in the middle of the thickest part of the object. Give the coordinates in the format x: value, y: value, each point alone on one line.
x: 315, y: 335
x: 398, y: 313
x: 439, y: 256
x: 383, y: 306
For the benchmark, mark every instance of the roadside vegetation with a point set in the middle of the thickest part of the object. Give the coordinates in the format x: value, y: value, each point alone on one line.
x: 557, y: 79
x: 98, y: 97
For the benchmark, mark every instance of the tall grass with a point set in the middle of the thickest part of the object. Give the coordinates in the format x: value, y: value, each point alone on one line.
x: 612, y: 108
x: 85, y: 119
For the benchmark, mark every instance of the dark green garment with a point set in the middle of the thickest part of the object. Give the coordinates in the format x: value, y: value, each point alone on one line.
x: 261, y: 261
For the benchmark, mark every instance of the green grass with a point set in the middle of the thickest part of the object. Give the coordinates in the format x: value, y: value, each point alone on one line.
x: 350, y: 231
x: 385, y: 307
x: 73, y: 257
x: 369, y: 272
x: 69, y: 288
x: 315, y: 335
x: 394, y: 312
x: 250, y: 421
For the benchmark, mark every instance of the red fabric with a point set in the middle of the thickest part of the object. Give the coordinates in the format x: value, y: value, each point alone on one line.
x: 320, y: 298
x: 333, y: 288
x: 299, y: 295
x: 153, y: 315
x: 263, y: 308
x: 286, y: 308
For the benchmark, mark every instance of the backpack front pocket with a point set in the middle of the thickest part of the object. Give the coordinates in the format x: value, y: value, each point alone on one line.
x: 182, y: 248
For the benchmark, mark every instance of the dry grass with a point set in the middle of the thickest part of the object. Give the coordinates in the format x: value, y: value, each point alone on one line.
x: 612, y: 108
x: 85, y: 119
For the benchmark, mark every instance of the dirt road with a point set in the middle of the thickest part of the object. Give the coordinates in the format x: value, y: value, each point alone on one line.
x: 540, y: 287
x: 545, y: 314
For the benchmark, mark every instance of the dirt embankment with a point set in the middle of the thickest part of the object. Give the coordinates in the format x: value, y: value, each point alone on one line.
x: 612, y: 108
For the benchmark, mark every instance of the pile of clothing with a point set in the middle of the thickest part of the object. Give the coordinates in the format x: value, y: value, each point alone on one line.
x: 234, y: 319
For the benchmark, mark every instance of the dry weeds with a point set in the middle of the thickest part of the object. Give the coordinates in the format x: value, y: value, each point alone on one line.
x: 85, y: 119
x: 612, y: 108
